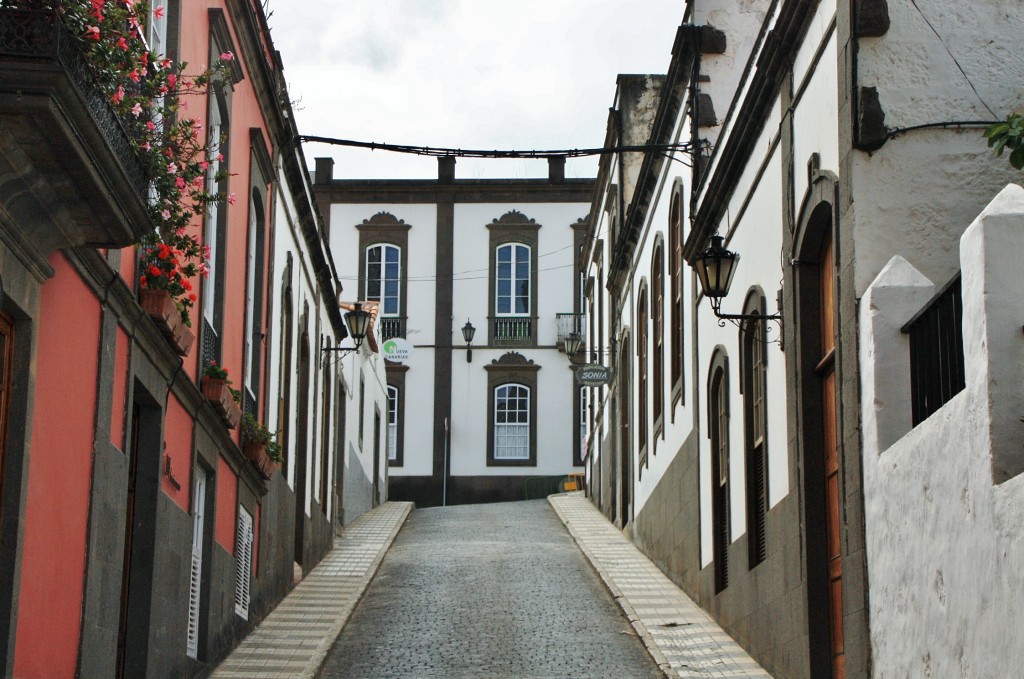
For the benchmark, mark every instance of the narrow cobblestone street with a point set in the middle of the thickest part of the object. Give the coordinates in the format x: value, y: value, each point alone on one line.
x: 487, y: 591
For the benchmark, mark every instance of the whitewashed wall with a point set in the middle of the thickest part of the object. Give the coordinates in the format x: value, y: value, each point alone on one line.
x: 945, y: 552
x: 927, y: 185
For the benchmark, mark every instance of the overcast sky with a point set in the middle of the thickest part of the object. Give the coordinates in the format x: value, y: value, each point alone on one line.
x: 480, y: 74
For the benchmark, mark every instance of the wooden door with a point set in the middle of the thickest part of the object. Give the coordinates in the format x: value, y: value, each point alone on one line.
x: 827, y: 377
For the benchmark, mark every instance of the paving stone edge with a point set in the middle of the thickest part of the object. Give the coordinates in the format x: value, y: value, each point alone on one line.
x: 318, y: 657
x: 620, y: 599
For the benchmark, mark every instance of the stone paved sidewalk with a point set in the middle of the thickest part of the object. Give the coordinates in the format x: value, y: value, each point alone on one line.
x: 293, y: 640
x: 683, y: 639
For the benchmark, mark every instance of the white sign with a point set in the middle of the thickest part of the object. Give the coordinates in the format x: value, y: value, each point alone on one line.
x: 593, y: 375
x: 397, y: 349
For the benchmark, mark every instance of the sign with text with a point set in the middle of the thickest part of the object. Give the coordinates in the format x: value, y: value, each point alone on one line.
x: 593, y: 375
x: 397, y: 349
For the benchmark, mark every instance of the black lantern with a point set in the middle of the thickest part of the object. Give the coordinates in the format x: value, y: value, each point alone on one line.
x: 358, y: 322
x: 715, y: 268
x: 572, y: 343
x: 467, y: 334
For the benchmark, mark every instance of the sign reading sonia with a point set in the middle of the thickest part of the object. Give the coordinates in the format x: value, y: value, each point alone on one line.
x: 593, y: 375
x: 397, y: 349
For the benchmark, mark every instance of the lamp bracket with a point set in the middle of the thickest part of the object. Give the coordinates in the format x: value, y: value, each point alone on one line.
x: 738, y: 319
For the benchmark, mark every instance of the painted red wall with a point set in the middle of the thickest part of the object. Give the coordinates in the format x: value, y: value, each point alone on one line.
x: 177, y: 449
x: 120, y: 389
x: 226, y: 510
x: 60, y: 467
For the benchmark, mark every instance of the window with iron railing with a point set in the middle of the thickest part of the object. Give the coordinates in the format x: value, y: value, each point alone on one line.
x: 390, y: 326
x: 936, y: 352
x: 509, y: 331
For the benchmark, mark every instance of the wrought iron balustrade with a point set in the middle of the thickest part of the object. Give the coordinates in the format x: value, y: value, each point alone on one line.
x: 936, y: 352
x: 513, y: 330
x: 37, y: 38
x: 390, y: 326
x: 570, y: 323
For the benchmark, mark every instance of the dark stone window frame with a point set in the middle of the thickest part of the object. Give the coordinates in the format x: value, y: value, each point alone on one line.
x: 677, y: 298
x: 657, y: 344
x: 512, y: 368
x: 385, y: 228
x: 718, y: 412
x: 512, y: 227
x: 261, y: 173
x: 753, y: 383
x: 642, y: 381
x: 396, y: 378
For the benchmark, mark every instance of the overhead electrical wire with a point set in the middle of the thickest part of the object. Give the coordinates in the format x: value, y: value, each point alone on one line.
x: 440, y: 151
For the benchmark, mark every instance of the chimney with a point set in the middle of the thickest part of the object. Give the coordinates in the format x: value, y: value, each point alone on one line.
x: 556, y: 169
x: 324, y: 172
x: 446, y: 169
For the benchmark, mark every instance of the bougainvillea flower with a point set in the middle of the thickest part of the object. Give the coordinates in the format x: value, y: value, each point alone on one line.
x: 227, y: 56
x: 117, y: 96
x: 159, y: 12
x: 92, y: 32
x: 231, y: 198
x: 137, y: 109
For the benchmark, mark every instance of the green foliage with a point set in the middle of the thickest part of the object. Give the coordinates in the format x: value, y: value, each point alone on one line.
x: 254, y: 432
x: 1008, y: 135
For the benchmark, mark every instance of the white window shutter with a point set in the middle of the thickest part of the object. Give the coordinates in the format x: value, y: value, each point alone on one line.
x: 195, y: 582
x: 243, y: 562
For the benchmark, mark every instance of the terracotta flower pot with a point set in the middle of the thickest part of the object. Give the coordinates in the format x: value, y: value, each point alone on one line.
x: 257, y: 454
x: 160, y: 306
x: 219, y: 395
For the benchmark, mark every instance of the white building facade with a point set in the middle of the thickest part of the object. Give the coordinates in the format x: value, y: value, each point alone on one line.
x: 735, y: 452
x: 498, y: 419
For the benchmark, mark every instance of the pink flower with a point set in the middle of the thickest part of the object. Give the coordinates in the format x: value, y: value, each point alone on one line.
x: 150, y: 125
x: 203, y: 164
x: 227, y: 56
x: 172, y: 168
x: 231, y: 198
x: 159, y: 11
x: 220, y: 157
x: 134, y: 75
x: 92, y: 32
x: 122, y: 44
x: 137, y: 109
x: 172, y: 80
x: 166, y: 214
x: 145, y: 146
x: 179, y: 182
x: 204, y: 269
x: 118, y: 96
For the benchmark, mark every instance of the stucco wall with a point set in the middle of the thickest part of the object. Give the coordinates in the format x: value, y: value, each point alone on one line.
x: 944, y: 545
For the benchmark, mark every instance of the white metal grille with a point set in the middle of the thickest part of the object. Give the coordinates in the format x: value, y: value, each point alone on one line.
x: 512, y: 422
x: 243, y: 562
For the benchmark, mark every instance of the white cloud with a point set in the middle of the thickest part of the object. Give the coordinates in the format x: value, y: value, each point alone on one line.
x: 491, y: 74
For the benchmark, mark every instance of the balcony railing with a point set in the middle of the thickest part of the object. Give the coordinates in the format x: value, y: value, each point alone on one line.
x: 936, y: 352
x: 570, y: 323
x: 390, y: 326
x: 39, y: 35
x: 513, y: 331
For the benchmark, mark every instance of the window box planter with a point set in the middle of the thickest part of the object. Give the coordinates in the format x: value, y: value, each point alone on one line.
x: 257, y: 454
x: 219, y: 396
x: 159, y: 305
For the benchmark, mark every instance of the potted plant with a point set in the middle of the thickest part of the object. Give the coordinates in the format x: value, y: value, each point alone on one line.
x: 216, y: 388
x: 260, y: 445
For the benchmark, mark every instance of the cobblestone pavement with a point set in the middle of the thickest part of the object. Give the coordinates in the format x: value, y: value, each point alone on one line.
x: 684, y: 640
x: 487, y: 591
x: 291, y: 642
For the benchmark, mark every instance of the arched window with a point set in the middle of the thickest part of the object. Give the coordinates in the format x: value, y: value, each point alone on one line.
x: 657, y: 339
x: 641, y: 382
x: 512, y: 422
x: 718, y: 430
x: 754, y: 382
x: 512, y: 290
x: 675, y: 245
x: 384, y: 278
